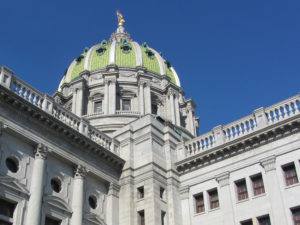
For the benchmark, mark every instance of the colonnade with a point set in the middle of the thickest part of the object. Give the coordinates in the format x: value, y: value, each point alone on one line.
x: 174, y: 107
x: 35, y: 202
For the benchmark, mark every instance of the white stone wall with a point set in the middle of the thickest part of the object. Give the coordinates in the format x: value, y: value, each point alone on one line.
x: 276, y: 202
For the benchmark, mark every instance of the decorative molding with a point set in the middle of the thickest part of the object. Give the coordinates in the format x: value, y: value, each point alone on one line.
x: 13, y: 184
x: 41, y: 152
x: 2, y: 127
x: 184, y: 192
x: 114, y: 189
x: 57, y: 203
x: 80, y: 172
x: 269, y: 163
x: 223, y: 179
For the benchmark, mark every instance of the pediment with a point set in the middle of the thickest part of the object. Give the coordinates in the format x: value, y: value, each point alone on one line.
x: 13, y: 184
x: 58, y: 203
x: 93, y: 218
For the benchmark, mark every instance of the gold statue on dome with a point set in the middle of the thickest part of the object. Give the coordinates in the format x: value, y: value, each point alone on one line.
x: 120, y: 19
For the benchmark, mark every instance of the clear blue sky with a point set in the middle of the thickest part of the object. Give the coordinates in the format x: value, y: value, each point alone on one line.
x: 231, y: 56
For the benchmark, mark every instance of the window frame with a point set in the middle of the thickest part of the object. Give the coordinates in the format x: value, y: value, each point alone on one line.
x: 121, y: 105
x: 261, y: 189
x: 241, y: 195
x: 197, y: 206
x: 140, y: 192
x: 213, y: 201
x: 94, y: 106
x: 293, y: 215
x: 290, y: 180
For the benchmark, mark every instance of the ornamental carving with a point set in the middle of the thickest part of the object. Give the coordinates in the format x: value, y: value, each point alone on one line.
x: 41, y: 152
x: 80, y: 172
x: 223, y: 179
x: 269, y: 163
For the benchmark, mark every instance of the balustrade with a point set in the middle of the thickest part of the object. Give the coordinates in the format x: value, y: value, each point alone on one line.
x: 46, y: 103
x: 272, y: 114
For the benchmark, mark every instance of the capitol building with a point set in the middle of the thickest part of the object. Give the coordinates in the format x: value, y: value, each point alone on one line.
x: 118, y: 144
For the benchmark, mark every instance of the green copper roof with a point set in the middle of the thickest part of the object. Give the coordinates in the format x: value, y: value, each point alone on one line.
x: 123, y: 58
x: 151, y: 64
x: 99, y: 61
x: 123, y: 54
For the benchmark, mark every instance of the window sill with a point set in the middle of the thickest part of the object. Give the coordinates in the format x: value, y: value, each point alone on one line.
x: 293, y: 185
x: 140, y: 199
x: 199, y: 214
x: 212, y: 210
x: 242, y: 201
x: 258, y: 196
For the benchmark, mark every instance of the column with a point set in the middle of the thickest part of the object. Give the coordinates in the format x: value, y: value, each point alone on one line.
x: 147, y: 98
x: 141, y: 98
x: 185, y: 206
x: 191, y: 119
x: 273, y: 189
x: 36, y: 187
x: 177, y: 112
x: 225, y: 198
x: 78, y: 195
x: 112, y: 96
x: 112, y: 212
x: 74, y: 101
x: 171, y: 96
x: 105, y: 97
x: 79, y: 102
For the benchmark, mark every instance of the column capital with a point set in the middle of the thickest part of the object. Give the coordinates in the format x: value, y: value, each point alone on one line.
x: 184, y: 192
x: 41, y: 151
x: 80, y: 172
x: 2, y: 127
x: 171, y: 91
x: 114, y: 189
x: 268, y: 163
x: 223, y: 179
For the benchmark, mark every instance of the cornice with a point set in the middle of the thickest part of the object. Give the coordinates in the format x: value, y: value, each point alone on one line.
x: 253, y: 140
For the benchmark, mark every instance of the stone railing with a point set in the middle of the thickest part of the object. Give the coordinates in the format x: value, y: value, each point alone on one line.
x: 120, y: 112
x: 260, y: 118
x: 47, y: 104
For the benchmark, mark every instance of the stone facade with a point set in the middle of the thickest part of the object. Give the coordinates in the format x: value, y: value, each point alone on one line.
x: 119, y: 146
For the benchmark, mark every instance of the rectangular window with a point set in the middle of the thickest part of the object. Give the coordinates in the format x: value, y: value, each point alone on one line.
x: 247, y: 222
x: 199, y: 203
x: 7, y: 212
x: 163, y: 218
x: 125, y: 104
x: 264, y: 220
x: 51, y: 221
x: 258, y: 185
x: 213, y: 199
x: 162, y: 193
x: 140, y: 192
x: 141, y: 217
x: 290, y: 174
x: 154, y: 109
x: 241, y: 189
x: 296, y: 216
x: 5, y: 78
x: 98, y: 106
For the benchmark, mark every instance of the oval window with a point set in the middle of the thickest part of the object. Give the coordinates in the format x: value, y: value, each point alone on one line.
x: 56, y: 185
x: 93, y: 202
x: 12, y: 164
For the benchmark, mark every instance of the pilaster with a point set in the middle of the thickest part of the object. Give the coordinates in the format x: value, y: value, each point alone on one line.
x: 112, y: 212
x: 274, y: 192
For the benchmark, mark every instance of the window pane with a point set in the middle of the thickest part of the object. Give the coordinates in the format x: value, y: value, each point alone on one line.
x: 126, y: 105
x: 264, y: 220
x: 213, y: 199
x: 98, y: 107
x: 199, y: 203
x: 241, y: 188
x: 258, y: 185
x: 4, y: 223
x: 296, y: 216
x: 248, y: 222
x: 50, y: 221
x: 290, y: 174
x: 7, y: 208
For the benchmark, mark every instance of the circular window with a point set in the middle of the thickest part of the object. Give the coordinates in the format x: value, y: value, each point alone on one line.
x: 12, y: 164
x: 56, y: 185
x: 93, y: 202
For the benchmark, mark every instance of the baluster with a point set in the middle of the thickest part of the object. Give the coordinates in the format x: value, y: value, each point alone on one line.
x: 284, y: 112
x: 296, y: 107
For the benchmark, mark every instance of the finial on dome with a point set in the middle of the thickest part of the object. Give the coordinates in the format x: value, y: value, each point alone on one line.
x: 120, y: 19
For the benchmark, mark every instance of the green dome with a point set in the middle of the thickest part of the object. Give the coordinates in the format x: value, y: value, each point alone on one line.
x: 124, y: 53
